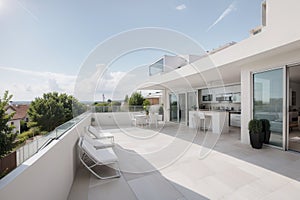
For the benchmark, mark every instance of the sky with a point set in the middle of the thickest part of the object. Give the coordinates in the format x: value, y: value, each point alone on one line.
x: 44, y: 45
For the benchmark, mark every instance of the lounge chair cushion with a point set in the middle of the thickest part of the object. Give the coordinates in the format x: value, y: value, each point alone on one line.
x: 104, y: 156
x: 97, y: 143
x: 99, y: 134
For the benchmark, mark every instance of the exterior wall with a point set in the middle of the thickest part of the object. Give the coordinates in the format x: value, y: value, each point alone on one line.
x: 113, y: 119
x: 167, y: 106
x: 9, y: 110
x: 16, y: 122
x: 48, y: 174
x: 282, y: 16
x: 17, y: 125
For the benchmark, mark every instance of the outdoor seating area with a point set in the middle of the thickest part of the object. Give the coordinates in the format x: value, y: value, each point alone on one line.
x: 141, y: 119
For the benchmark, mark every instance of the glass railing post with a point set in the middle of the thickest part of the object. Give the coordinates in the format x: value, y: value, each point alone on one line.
x: 23, y: 154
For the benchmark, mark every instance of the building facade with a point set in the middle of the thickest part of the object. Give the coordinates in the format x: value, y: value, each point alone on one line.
x: 255, y: 78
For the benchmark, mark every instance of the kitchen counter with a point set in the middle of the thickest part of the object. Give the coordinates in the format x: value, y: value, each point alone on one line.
x: 230, y: 111
x: 215, y: 120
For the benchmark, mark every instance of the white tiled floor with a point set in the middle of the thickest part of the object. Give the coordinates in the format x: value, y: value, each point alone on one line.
x: 167, y: 164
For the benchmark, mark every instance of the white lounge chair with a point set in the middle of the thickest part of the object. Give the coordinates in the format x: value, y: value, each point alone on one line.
x: 98, y: 143
x: 98, y: 134
x: 92, y: 159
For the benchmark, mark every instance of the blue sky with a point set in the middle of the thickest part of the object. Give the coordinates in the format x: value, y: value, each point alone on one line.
x: 44, y: 43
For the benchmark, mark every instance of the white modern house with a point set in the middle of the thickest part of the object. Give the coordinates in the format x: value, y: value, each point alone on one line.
x: 255, y: 78
x: 258, y: 77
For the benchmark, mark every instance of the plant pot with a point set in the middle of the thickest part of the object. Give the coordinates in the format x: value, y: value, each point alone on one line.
x: 267, y: 137
x: 255, y: 140
x: 262, y: 137
x: 93, y: 122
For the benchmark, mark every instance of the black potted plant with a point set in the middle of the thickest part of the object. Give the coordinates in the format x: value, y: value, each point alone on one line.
x: 266, y: 130
x: 255, y: 132
x: 93, y: 120
x: 161, y: 111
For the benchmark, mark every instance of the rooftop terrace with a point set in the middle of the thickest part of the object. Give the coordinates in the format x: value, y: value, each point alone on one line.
x: 168, y: 162
x: 176, y: 163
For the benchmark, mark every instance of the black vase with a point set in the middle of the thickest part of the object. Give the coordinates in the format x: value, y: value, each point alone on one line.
x: 267, y: 137
x: 255, y: 140
x: 262, y: 137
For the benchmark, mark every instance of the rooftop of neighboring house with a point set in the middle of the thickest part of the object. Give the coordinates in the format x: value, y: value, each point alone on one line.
x: 20, y: 111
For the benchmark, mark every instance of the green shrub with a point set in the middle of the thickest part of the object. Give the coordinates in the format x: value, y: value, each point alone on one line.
x: 29, y: 134
x: 255, y: 126
x: 43, y: 132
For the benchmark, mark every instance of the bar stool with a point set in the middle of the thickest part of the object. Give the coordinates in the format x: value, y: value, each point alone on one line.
x: 203, y: 119
x: 198, y: 118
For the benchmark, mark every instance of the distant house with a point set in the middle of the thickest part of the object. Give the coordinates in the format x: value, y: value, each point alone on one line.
x: 154, y: 99
x: 20, y: 114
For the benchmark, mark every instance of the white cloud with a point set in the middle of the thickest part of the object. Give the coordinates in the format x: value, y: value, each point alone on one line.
x: 53, y: 86
x: 39, y: 74
x: 27, y: 84
x: 231, y: 7
x: 181, y: 7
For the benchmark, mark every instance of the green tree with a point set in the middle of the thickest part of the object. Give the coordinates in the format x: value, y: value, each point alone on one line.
x: 146, y: 103
x: 115, y: 103
x: 72, y: 107
x: 136, y: 99
x: 7, y: 137
x: 52, y: 110
x: 126, y: 98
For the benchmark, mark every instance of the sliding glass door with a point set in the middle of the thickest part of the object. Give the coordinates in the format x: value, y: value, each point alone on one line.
x: 268, y: 101
x: 293, y: 103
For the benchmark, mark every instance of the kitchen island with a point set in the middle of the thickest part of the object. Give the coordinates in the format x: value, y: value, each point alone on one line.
x: 216, y: 121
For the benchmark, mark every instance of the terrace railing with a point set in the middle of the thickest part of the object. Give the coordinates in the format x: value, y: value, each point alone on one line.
x: 103, y: 109
x: 29, y: 149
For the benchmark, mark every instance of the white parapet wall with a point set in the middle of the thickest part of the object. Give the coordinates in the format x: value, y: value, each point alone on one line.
x: 49, y: 174
x: 114, y: 118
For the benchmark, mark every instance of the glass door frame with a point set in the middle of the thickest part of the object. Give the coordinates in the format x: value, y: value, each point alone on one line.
x: 180, y: 114
x: 171, y: 109
x: 284, y: 103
